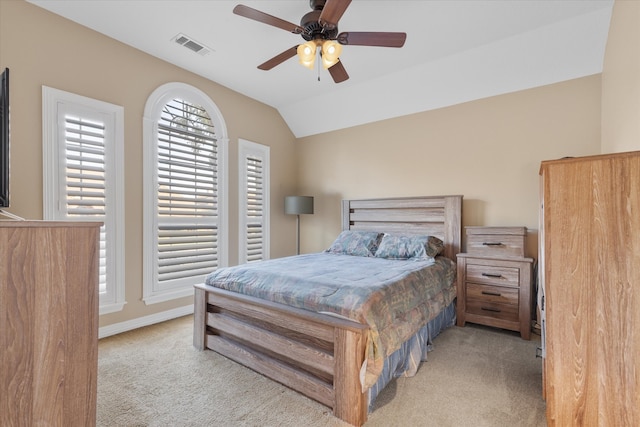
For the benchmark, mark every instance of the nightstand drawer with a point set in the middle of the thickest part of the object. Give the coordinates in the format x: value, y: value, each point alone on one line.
x: 493, y: 294
x: 496, y: 241
x: 508, y: 312
x: 508, y: 276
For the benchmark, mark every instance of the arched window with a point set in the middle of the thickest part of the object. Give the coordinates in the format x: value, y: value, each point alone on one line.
x: 185, y: 179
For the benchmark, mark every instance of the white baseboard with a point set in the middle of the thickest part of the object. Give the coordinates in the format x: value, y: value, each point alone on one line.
x: 139, y: 322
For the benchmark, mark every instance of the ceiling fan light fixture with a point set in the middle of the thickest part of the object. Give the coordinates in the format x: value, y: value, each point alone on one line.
x: 331, y: 51
x: 307, y: 54
x: 320, y: 30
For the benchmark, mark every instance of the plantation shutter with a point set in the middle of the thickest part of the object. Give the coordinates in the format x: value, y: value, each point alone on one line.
x: 84, y: 194
x: 83, y: 178
x: 253, y: 169
x: 254, y: 209
x: 187, y: 194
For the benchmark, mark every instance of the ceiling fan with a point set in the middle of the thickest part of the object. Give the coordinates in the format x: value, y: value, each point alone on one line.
x: 320, y: 30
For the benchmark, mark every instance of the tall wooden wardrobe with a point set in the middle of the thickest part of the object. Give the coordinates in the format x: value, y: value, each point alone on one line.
x: 589, y: 265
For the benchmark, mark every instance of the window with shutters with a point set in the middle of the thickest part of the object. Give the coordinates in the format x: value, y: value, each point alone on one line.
x: 83, y: 177
x: 184, y: 172
x: 254, y: 201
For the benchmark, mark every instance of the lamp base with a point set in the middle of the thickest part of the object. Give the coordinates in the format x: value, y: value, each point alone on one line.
x: 297, y: 234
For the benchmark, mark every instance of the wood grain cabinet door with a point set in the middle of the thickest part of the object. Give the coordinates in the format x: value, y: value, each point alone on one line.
x: 591, y: 274
x: 49, y: 323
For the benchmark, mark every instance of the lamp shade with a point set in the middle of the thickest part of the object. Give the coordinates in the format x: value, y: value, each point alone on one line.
x: 296, y: 205
x: 307, y: 54
x: 330, y: 52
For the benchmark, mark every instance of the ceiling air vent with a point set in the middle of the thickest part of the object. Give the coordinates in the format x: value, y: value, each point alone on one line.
x: 191, y: 44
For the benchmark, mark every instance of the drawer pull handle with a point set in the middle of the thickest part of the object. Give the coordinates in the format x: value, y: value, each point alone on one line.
x: 497, y: 276
x: 492, y: 243
x: 494, y: 310
x: 494, y: 294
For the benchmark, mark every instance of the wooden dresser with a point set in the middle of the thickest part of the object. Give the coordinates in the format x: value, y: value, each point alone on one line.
x: 495, y: 279
x: 49, y: 323
x: 590, y: 275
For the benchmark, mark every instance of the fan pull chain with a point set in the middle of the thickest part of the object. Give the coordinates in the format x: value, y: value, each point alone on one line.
x: 318, y: 63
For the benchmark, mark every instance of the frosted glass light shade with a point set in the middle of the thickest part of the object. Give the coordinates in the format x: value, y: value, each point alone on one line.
x: 297, y: 205
x: 307, y: 54
x: 331, y: 51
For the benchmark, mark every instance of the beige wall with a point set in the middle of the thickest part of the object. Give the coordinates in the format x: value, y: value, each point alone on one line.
x: 488, y: 150
x: 621, y: 80
x: 41, y: 48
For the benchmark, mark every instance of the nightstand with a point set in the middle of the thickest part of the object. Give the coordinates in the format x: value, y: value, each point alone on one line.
x: 495, y: 279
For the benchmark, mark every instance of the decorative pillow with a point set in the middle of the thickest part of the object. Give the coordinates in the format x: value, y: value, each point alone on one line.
x: 357, y: 243
x: 399, y: 246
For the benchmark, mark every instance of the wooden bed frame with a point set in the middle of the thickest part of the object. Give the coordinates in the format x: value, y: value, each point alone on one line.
x: 317, y: 355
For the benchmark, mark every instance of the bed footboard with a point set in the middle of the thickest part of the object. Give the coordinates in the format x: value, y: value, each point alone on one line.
x: 317, y: 355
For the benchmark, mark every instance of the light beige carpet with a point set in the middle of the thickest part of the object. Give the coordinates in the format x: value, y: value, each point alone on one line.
x: 475, y: 376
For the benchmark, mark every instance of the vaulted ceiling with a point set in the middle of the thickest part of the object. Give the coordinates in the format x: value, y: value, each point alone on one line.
x: 456, y: 51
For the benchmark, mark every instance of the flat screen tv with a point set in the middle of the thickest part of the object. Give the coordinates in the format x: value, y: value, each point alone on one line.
x: 4, y: 139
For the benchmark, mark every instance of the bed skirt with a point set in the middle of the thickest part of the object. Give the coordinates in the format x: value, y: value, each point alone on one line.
x: 405, y: 361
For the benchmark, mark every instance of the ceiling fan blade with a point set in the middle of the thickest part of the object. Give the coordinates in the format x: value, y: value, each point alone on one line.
x: 338, y: 73
x: 279, y: 59
x: 332, y: 12
x: 372, y: 39
x: 265, y: 18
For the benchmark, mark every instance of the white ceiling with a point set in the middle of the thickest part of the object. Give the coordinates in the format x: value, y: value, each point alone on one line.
x: 456, y: 51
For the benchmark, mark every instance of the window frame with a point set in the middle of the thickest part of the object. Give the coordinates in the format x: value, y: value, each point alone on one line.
x: 55, y: 101
x: 246, y: 149
x: 151, y: 290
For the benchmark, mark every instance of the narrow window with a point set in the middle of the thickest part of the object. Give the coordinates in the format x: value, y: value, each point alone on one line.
x: 82, y: 170
x: 254, y: 201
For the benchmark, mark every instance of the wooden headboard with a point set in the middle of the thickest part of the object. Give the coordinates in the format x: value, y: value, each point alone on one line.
x: 439, y: 216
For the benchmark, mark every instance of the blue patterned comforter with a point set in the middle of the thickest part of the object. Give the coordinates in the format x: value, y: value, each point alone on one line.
x: 395, y: 298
